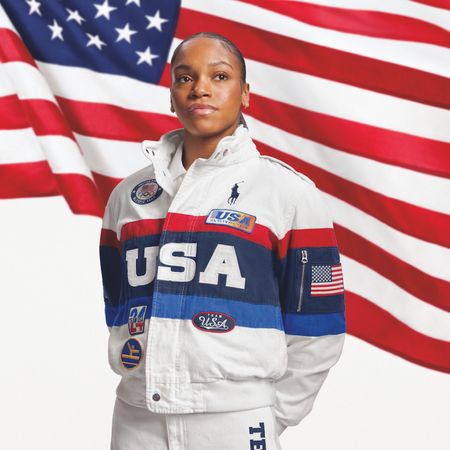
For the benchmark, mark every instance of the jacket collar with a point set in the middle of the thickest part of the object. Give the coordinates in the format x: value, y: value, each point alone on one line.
x: 230, y: 149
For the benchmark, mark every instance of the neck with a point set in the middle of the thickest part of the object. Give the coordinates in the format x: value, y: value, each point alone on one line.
x: 201, y: 146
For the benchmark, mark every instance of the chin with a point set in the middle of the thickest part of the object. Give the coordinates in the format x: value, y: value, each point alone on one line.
x: 207, y: 128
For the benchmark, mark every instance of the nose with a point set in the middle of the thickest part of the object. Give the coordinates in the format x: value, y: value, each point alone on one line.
x: 200, y: 88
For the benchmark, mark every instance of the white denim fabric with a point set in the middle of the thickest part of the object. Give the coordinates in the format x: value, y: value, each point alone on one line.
x: 139, y: 429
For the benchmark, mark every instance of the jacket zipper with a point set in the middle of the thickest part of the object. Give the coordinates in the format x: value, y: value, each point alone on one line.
x: 304, y: 260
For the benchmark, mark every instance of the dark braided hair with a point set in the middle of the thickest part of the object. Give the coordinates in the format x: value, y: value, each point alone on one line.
x: 231, y: 47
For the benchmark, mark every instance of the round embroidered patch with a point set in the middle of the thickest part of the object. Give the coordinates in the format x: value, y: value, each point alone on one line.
x: 146, y: 191
x: 131, y: 355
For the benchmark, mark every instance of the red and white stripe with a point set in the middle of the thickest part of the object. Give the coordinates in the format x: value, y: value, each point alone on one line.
x: 353, y: 93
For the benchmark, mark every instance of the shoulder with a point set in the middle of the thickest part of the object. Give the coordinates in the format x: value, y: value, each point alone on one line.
x: 305, y: 202
x: 290, y: 176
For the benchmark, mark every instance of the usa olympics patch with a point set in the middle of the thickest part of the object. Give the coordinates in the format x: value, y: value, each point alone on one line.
x: 232, y: 218
x: 146, y: 191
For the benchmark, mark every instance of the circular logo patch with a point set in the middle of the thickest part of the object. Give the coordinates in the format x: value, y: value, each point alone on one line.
x: 131, y: 354
x: 214, y: 322
x: 146, y: 191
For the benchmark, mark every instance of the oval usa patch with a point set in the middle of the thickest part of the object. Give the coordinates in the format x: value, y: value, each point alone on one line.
x: 213, y: 321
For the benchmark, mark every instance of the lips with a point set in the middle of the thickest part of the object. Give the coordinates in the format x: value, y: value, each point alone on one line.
x: 201, y: 109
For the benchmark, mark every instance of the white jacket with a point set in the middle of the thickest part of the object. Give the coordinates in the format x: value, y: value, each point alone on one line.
x: 225, y: 294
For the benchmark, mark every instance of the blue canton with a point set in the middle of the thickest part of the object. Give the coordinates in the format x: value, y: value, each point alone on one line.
x: 321, y: 274
x: 122, y: 37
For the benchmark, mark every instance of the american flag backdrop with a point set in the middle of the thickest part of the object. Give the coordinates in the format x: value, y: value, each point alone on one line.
x: 353, y: 93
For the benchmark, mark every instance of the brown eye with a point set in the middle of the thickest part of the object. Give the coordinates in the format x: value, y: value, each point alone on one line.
x: 222, y: 75
x: 182, y: 78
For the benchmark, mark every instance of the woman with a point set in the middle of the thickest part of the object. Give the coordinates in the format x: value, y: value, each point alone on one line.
x: 215, y: 261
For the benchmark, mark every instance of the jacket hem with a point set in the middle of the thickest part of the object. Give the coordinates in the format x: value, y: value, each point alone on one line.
x: 215, y: 396
x: 230, y: 395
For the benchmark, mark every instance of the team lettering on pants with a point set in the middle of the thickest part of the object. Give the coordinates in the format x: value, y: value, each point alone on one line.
x: 223, y: 261
x: 258, y: 444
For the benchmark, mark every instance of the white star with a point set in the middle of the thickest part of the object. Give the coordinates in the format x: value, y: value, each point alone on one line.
x: 136, y: 2
x: 74, y: 15
x: 95, y: 40
x: 56, y: 30
x: 34, y: 7
x: 125, y: 33
x: 146, y: 56
x: 155, y: 21
x: 104, y: 9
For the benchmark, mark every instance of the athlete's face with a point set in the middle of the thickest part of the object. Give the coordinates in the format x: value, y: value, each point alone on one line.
x: 206, y: 92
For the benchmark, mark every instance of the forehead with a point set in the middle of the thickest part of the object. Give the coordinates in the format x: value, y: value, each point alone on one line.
x: 201, y: 50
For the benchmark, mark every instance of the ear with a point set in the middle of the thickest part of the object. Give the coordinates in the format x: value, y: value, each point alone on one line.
x: 245, y: 95
x: 172, y: 109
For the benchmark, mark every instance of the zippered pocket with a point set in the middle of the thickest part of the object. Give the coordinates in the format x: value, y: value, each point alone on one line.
x: 304, y: 261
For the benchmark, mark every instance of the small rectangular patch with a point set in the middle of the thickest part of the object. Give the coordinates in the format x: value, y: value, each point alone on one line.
x: 136, y: 319
x: 232, y: 218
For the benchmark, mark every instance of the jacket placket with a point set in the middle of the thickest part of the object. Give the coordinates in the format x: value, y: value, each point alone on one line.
x: 171, y: 384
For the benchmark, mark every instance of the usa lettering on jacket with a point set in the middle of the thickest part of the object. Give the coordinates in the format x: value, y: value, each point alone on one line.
x: 223, y: 261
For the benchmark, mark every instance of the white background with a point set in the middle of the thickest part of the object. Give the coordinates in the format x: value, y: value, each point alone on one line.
x: 57, y: 391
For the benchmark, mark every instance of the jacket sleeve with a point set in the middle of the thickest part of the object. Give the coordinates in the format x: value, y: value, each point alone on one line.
x: 312, y: 302
x: 110, y: 262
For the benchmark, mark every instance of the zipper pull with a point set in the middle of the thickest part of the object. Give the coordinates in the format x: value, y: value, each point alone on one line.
x: 304, y: 256
x: 304, y: 260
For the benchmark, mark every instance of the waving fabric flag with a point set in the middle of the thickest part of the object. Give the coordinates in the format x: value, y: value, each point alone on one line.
x: 354, y: 93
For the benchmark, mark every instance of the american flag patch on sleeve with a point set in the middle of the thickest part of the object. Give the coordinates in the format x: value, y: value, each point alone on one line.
x: 327, y: 280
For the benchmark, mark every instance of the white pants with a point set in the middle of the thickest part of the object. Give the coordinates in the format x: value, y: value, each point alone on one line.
x: 139, y: 429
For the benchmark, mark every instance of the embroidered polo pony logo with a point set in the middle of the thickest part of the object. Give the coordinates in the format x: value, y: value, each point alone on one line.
x: 234, y: 193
